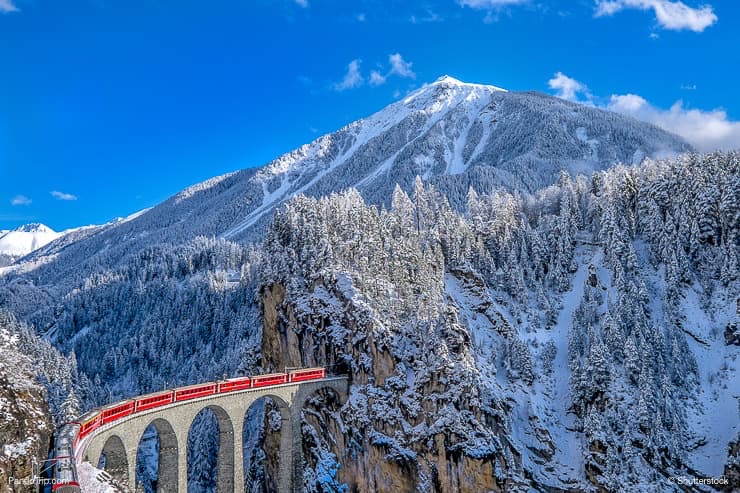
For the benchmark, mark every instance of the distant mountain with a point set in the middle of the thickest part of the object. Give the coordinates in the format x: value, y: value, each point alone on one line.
x: 25, y: 239
x: 452, y: 134
x: 34, y: 228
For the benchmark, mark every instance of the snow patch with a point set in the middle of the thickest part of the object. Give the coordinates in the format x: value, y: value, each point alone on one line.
x: 93, y: 480
x: 14, y: 450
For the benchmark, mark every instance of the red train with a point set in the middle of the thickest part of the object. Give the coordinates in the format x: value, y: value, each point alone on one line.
x: 92, y: 420
x: 71, y: 434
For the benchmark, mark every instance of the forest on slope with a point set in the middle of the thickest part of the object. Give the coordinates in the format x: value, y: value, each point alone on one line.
x: 583, y: 335
x: 463, y: 328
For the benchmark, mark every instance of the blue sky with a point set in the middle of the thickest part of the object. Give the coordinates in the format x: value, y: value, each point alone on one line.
x: 111, y: 106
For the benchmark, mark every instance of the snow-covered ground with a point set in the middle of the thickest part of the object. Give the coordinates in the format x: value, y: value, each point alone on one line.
x: 716, y: 420
x: 542, y: 415
x: 93, y: 480
x: 553, y: 397
x: 713, y: 421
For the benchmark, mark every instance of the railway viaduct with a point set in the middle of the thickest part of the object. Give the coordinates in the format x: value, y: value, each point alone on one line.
x: 119, y: 440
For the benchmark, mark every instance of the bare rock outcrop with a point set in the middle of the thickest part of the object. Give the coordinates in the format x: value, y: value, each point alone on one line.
x: 25, y: 422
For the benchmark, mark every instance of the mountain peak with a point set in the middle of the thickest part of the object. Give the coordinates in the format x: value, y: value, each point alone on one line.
x: 25, y: 239
x: 448, y: 79
x: 444, y: 94
x: 34, y: 228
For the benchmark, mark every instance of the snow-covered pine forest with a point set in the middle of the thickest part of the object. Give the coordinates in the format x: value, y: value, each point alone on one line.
x: 583, y: 336
x: 575, y: 338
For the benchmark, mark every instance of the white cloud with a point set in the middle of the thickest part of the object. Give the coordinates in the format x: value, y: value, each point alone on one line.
x: 489, y: 4
x: 568, y: 88
x: 400, y: 67
x: 63, y: 196
x: 7, y: 6
x: 674, y: 15
x: 302, y: 3
x: 376, y: 78
x: 492, y: 7
x: 353, y: 78
x: 361, y: 17
x: 429, y: 16
x: 20, y: 200
x: 705, y: 130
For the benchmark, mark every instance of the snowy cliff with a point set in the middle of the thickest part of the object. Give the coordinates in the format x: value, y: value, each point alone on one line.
x: 25, y: 421
x: 574, y: 340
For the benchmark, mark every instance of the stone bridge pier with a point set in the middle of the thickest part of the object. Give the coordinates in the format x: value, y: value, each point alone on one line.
x: 119, y: 441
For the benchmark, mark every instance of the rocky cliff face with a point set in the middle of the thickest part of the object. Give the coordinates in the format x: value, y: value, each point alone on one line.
x: 25, y: 422
x: 732, y: 467
x: 407, y: 448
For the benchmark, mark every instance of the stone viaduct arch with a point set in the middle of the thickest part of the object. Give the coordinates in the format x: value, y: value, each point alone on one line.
x: 285, y: 456
x: 168, y: 452
x: 119, y: 441
x: 116, y: 462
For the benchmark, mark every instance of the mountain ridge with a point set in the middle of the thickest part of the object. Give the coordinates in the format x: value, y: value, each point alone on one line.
x: 445, y: 103
x: 453, y: 134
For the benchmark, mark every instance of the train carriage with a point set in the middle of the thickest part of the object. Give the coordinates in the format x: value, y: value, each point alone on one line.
x: 195, y: 391
x: 151, y: 401
x: 66, y: 440
x: 232, y: 384
x: 306, y: 374
x: 117, y: 411
x: 269, y: 379
x: 65, y: 475
x: 88, y: 423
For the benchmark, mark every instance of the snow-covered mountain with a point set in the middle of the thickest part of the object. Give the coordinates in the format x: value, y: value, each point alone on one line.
x: 25, y: 239
x: 452, y: 134
x: 456, y: 134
